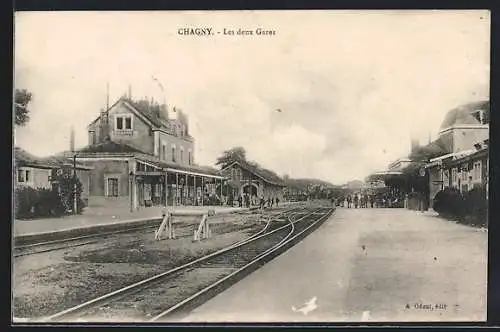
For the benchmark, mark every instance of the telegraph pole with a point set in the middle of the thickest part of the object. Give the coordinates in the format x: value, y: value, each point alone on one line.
x: 75, y: 199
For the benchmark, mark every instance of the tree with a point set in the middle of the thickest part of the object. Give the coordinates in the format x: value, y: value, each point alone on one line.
x: 230, y: 156
x: 66, y: 182
x: 21, y: 101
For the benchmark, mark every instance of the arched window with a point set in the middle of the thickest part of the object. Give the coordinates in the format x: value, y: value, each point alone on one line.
x: 163, y: 155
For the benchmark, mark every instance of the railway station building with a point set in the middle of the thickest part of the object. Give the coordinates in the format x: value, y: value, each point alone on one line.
x: 462, y: 146
x: 245, y: 178
x: 142, y: 157
x: 459, y: 155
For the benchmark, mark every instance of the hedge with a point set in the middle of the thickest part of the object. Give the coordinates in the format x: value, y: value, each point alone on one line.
x: 475, y: 207
x: 38, y: 203
x: 470, y: 208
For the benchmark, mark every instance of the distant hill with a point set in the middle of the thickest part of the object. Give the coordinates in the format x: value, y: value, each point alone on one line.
x: 355, y: 184
x: 304, y: 183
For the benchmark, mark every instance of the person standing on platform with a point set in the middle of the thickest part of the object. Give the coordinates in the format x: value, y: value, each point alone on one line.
x: 349, y: 201
x: 277, y: 201
x: 371, y: 201
x: 356, y: 201
x: 240, y: 201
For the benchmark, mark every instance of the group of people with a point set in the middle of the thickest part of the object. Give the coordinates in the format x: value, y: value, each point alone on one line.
x: 247, y: 201
x: 359, y: 200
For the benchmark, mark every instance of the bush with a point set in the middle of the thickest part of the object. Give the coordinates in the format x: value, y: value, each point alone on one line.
x: 449, y: 203
x: 25, y: 200
x: 41, y: 202
x: 31, y: 203
x: 475, y: 207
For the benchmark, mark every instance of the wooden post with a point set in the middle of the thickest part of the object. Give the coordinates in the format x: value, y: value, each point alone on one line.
x: 202, y: 191
x: 186, y: 193
x: 165, y: 186
x: 176, y: 187
x: 221, y: 202
x: 195, y: 194
x: 164, y: 224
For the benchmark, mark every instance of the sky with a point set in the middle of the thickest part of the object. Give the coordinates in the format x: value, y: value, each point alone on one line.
x: 353, y: 87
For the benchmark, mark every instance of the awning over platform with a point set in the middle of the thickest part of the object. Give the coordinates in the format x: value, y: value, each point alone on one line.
x: 382, y: 173
x: 188, y: 170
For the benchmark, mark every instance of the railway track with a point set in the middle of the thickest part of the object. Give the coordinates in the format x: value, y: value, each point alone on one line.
x: 60, y: 244
x: 177, y: 291
x: 46, y: 246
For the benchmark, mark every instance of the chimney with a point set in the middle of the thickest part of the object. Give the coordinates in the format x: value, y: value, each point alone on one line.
x: 72, y: 139
x: 103, y: 125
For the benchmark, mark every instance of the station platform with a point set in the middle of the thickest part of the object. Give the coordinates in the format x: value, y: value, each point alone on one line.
x: 374, y: 265
x: 102, y: 217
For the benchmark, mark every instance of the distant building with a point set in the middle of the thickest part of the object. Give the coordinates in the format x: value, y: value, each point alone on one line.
x: 461, y: 170
x: 141, y: 157
x: 461, y: 150
x: 399, y: 165
x: 463, y: 127
x: 246, y: 178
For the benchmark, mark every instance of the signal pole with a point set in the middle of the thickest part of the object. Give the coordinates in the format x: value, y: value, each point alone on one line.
x: 72, y: 143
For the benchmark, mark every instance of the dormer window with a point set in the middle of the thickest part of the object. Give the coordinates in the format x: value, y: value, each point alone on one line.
x: 123, y: 122
x: 480, y: 116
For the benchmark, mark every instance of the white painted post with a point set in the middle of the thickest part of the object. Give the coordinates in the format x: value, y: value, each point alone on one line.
x: 195, y: 194
x: 164, y: 224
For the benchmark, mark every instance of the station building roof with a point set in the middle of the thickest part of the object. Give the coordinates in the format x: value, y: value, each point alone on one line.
x: 466, y: 115
x: 114, y: 149
x: 265, y: 174
x: 26, y: 159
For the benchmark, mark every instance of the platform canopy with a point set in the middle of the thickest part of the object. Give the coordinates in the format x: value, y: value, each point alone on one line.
x: 382, y: 175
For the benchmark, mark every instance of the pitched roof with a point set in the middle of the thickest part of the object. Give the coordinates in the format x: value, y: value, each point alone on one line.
x: 265, y: 174
x: 464, y: 114
x: 158, y: 119
x: 109, y: 147
x: 148, y: 113
x: 24, y: 158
